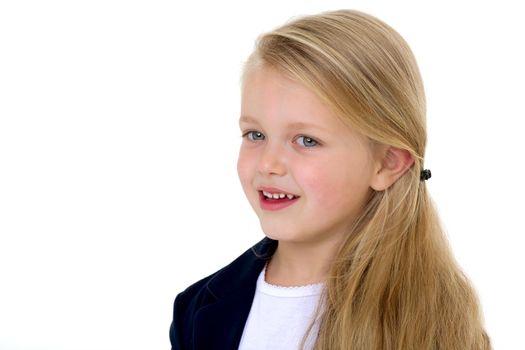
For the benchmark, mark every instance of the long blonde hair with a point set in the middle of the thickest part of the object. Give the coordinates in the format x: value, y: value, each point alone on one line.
x: 394, y: 283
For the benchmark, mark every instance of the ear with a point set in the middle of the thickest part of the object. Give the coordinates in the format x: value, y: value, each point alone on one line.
x: 392, y: 163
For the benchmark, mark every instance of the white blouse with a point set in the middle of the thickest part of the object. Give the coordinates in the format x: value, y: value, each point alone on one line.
x: 280, y: 316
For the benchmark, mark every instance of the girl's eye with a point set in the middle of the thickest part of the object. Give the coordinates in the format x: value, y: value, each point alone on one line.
x: 308, y: 141
x: 304, y: 141
x: 257, y: 133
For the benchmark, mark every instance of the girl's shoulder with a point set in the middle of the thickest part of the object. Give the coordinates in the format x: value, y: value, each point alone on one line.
x: 241, y: 272
x: 233, y: 285
x: 252, y: 260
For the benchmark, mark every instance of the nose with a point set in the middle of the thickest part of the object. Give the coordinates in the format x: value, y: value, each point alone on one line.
x: 272, y: 160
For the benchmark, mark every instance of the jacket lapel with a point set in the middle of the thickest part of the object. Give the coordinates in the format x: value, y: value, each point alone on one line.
x: 220, y: 323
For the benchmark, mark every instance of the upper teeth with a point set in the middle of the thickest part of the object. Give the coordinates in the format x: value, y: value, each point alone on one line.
x: 277, y: 195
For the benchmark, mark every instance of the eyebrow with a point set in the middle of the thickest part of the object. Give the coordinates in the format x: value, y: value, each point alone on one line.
x: 294, y: 125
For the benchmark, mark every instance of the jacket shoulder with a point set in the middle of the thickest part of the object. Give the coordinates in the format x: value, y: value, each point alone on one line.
x: 262, y: 250
x: 200, y: 293
x: 184, y: 308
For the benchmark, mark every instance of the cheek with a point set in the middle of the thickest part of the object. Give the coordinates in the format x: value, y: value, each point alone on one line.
x: 330, y: 187
x: 244, y: 167
x: 320, y: 183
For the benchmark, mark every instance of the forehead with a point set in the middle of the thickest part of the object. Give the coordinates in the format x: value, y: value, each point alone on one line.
x: 269, y: 96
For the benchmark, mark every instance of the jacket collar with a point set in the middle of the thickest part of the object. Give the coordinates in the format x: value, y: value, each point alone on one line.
x: 243, y: 271
x: 219, y: 323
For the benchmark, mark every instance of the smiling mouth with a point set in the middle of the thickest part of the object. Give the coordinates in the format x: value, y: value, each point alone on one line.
x: 284, y: 199
x: 276, y: 204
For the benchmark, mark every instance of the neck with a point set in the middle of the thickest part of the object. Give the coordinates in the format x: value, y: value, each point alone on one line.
x: 300, y: 263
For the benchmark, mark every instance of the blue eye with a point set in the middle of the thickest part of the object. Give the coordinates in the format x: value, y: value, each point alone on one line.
x: 308, y: 141
x: 259, y: 134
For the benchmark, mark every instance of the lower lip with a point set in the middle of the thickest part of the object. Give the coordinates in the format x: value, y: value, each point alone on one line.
x: 277, y: 204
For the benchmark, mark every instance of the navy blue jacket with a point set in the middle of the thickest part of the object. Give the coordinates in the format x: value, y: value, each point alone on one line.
x: 211, y: 313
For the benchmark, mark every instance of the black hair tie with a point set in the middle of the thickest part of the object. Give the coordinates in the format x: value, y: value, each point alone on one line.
x: 425, y: 174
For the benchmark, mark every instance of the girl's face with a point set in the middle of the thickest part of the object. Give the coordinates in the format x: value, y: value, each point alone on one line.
x: 293, y: 142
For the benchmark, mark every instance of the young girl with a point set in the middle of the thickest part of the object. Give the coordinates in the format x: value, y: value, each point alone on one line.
x: 334, y: 134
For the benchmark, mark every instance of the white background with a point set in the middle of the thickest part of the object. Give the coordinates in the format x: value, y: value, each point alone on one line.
x: 118, y: 150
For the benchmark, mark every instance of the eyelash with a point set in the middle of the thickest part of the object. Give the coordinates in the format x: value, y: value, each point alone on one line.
x: 317, y: 143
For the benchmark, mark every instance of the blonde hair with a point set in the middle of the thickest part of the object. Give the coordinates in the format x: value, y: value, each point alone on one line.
x: 394, y: 283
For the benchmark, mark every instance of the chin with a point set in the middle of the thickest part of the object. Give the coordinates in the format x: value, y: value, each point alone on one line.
x: 284, y: 236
